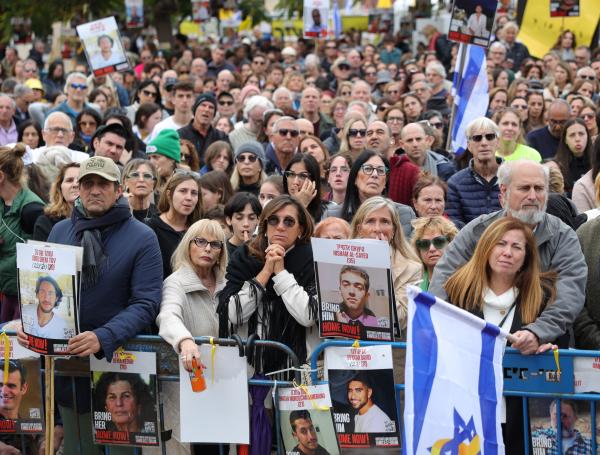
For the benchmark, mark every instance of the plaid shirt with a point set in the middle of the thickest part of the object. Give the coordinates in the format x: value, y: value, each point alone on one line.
x: 545, y: 438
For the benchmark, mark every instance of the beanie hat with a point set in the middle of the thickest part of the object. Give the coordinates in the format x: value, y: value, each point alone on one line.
x: 202, y: 98
x: 253, y: 147
x: 166, y: 144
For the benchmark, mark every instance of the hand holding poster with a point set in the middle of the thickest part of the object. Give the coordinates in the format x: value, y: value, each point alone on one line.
x: 102, y: 43
x: 362, y: 389
x: 355, y: 288
x: 472, y: 21
x: 124, y: 399
x: 21, y: 407
x: 48, y: 295
x: 306, y: 421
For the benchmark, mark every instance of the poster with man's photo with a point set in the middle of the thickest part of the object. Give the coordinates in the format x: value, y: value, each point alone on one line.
x: 21, y: 406
x: 564, y: 8
x: 103, y: 47
x: 576, y: 426
x: 356, y: 297
x: 48, y: 295
x: 306, y: 420
x: 316, y: 17
x: 472, y: 21
x: 124, y: 399
x: 134, y: 13
x: 362, y: 390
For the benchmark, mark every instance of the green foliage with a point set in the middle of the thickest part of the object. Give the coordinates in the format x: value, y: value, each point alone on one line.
x: 291, y: 6
x: 254, y: 9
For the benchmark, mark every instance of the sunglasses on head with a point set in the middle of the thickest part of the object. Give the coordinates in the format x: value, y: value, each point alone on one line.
x: 438, y: 243
x: 353, y: 132
x: 487, y: 136
x: 284, y: 132
x: 288, y: 221
x: 247, y: 157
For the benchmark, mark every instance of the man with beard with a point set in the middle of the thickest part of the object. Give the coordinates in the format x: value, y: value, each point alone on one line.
x: 253, y: 113
x: 304, y: 432
x: 573, y: 441
x: 41, y: 320
x: 369, y: 417
x: 523, y: 195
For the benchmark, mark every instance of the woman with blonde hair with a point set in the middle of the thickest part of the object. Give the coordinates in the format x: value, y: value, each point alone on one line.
x: 377, y: 218
x: 63, y: 192
x: 187, y: 308
x: 354, y: 135
x: 430, y: 238
x: 511, y: 145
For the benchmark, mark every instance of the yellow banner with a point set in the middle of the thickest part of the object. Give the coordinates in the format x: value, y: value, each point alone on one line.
x: 539, y: 31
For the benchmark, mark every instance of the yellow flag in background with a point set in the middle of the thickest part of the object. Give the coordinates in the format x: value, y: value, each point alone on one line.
x: 539, y: 31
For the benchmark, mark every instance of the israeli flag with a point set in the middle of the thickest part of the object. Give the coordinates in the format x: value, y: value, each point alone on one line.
x: 453, y: 380
x: 471, y: 97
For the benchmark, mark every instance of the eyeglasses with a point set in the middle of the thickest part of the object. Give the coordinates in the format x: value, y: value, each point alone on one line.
x: 57, y: 130
x: 288, y: 221
x: 487, y: 136
x: 247, y: 157
x: 301, y: 176
x: 145, y: 175
x: 201, y: 243
x: 78, y: 86
x: 353, y: 132
x: 392, y: 92
x: 557, y: 122
x: 370, y: 73
x: 342, y: 169
x: 587, y: 116
x: 225, y: 103
x: 380, y: 170
x: 438, y: 243
x: 284, y: 132
x: 148, y: 93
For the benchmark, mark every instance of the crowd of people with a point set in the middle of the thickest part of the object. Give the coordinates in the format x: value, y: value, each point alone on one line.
x: 195, y: 181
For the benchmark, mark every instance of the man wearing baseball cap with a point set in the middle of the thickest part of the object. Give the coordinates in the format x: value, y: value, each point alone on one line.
x: 121, y: 278
x: 200, y: 131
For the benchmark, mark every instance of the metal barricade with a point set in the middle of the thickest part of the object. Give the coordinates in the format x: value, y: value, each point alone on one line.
x: 526, y: 395
x: 168, y: 370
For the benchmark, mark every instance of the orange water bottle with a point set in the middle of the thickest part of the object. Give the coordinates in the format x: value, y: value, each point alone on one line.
x: 196, y: 376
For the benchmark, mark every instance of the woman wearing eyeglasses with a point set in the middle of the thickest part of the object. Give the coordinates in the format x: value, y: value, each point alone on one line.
x: 248, y: 173
x: 511, y: 145
x: 180, y: 206
x: 139, y: 181
x: 430, y: 238
x: 354, y: 135
x: 187, y: 309
x: 270, y: 287
x: 377, y: 218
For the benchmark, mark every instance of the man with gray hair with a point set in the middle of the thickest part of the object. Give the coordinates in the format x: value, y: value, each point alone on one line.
x: 283, y: 146
x: 524, y: 194
x: 546, y: 139
x: 497, y: 53
x: 253, y: 113
x: 8, y: 127
x: 23, y: 96
x: 283, y: 99
x: 436, y: 76
x: 76, y: 90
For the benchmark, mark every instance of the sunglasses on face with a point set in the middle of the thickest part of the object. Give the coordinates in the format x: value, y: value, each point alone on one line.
x: 353, y: 132
x: 148, y: 93
x: 225, y: 103
x: 437, y: 125
x: 344, y: 67
x: 78, y: 86
x: 288, y: 221
x: 438, y: 243
x: 201, y: 243
x: 284, y: 132
x: 487, y: 136
x: 588, y: 77
x: 243, y: 158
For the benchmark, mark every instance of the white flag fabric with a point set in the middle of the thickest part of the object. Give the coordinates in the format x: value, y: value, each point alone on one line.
x: 471, y: 95
x: 453, y: 380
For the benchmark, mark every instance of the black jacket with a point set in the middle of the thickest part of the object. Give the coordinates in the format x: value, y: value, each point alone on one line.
x: 168, y: 239
x: 201, y: 142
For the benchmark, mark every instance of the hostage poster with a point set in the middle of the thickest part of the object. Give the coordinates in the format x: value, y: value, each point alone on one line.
x: 21, y: 407
x: 103, y: 48
x: 48, y: 296
x: 363, y: 395
x: 356, y: 297
x: 306, y: 420
x: 124, y: 399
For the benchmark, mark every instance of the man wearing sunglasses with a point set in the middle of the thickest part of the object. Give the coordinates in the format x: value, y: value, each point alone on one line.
x: 546, y: 139
x: 226, y: 105
x: 286, y: 137
x: 524, y: 194
x: 417, y: 139
x: 76, y: 90
x: 474, y: 190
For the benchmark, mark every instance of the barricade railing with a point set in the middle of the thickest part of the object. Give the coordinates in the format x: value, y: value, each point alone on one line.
x: 593, y: 398
x: 168, y: 370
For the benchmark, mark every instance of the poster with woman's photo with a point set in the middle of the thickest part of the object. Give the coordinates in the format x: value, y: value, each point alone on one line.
x: 103, y: 48
x: 472, y: 21
x: 362, y: 390
x: 124, y: 399
x: 21, y: 406
x: 564, y: 8
x: 306, y: 421
x: 356, y: 297
x: 48, y: 295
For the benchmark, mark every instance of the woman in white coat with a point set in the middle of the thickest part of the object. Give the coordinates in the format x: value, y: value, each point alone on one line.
x: 188, y: 307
